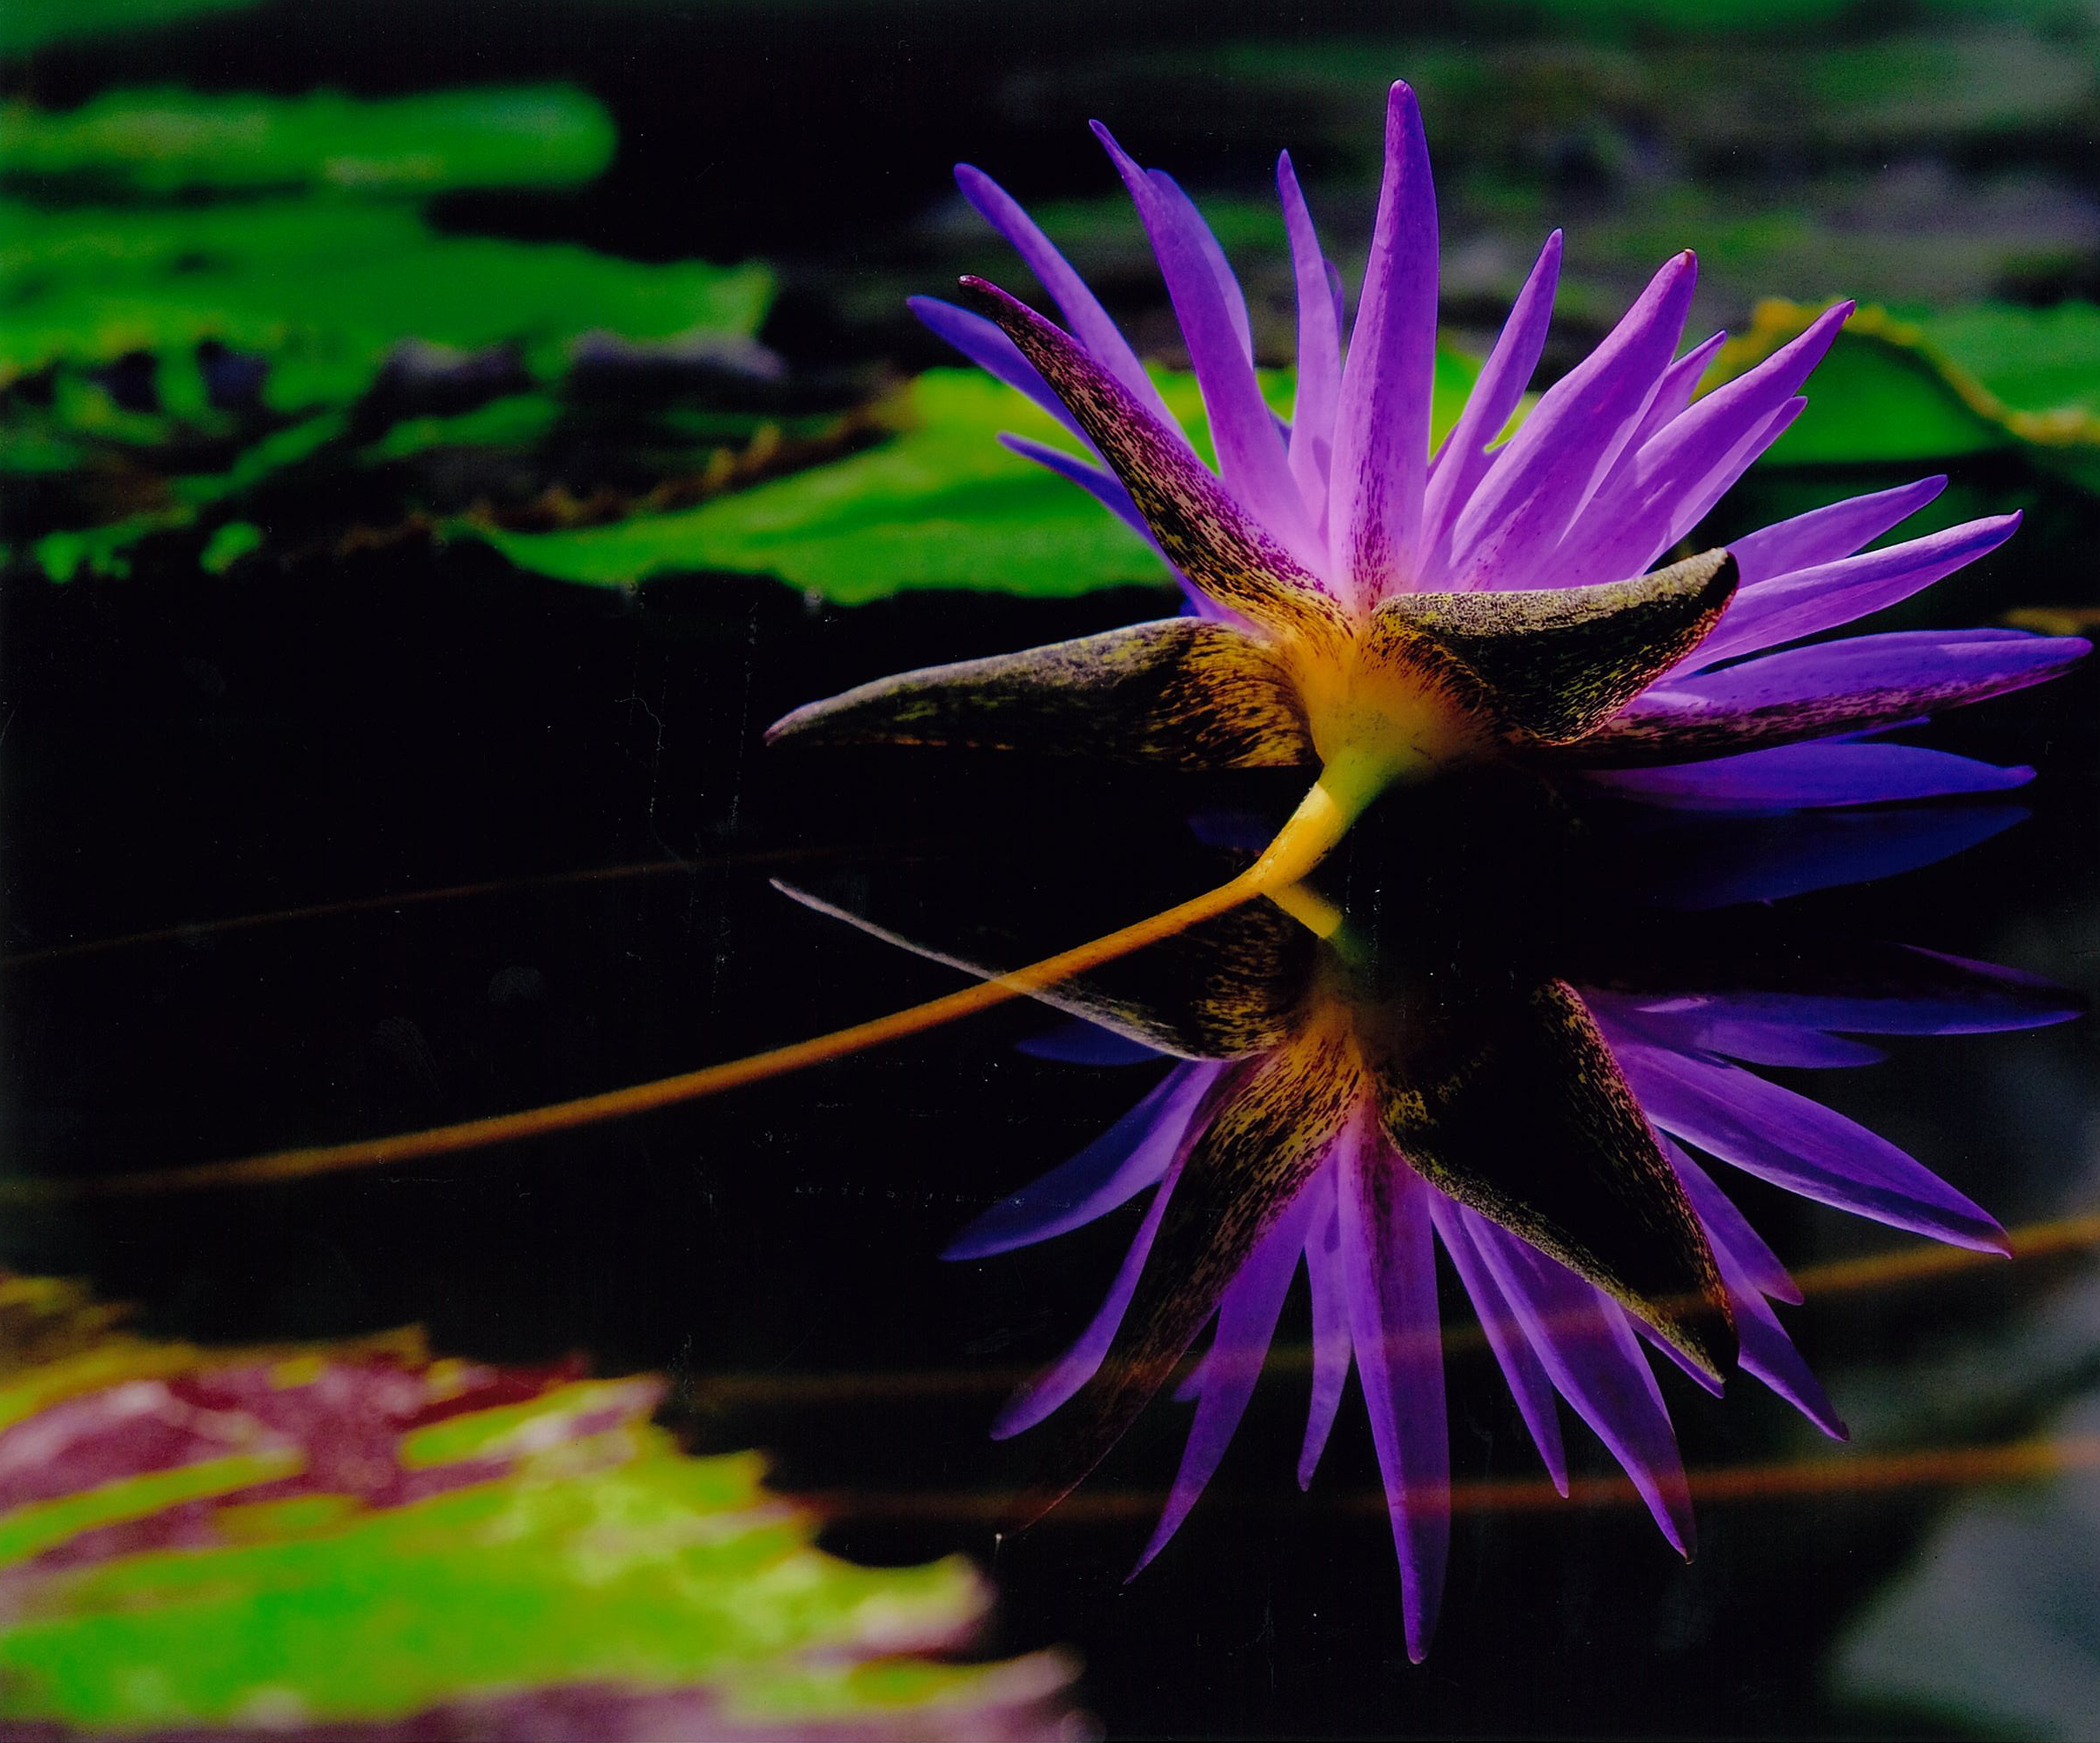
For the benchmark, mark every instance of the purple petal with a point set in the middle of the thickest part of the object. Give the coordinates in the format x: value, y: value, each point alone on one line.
x: 1701, y: 1022
x: 1823, y: 535
x: 1225, y: 1380
x: 1729, y: 1232
x: 1250, y: 452
x: 1929, y: 994
x: 1119, y: 1165
x: 1079, y: 1042
x: 1466, y: 454
x: 1330, y: 1328
x: 1214, y: 257
x: 1082, y: 311
x: 1788, y: 607
x: 1721, y: 859
x: 1680, y: 471
x: 1587, y: 1344
x: 1388, y: 1255
x: 1801, y: 1145
x: 992, y: 351
x: 1382, y: 428
x: 1576, y: 431
x: 1853, y: 685
x: 1103, y: 486
x: 1056, y: 1384
x: 1674, y: 392
x: 1527, y: 1378
x: 1751, y: 1273
x: 1820, y: 772
x: 1319, y: 348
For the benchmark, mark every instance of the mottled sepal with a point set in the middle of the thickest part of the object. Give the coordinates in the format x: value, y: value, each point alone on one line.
x: 1517, y: 1108
x: 1202, y: 531
x: 1277, y: 1117
x: 1551, y: 665
x: 1221, y: 989
x: 1186, y: 691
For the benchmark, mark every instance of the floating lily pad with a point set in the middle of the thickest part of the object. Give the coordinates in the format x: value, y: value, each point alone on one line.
x: 317, y: 1540
x: 1940, y: 385
x: 941, y: 504
x: 170, y: 141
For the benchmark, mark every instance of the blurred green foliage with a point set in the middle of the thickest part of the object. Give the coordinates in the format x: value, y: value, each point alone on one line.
x: 1937, y: 385
x: 284, y: 1540
x: 172, y: 141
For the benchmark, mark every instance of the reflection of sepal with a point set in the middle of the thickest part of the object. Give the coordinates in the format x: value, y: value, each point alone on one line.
x: 1276, y: 1118
x: 1517, y: 1108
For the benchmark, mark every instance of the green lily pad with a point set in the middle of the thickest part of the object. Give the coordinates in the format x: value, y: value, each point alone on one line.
x: 941, y: 504
x: 292, y: 1540
x: 170, y: 141
x: 1940, y: 385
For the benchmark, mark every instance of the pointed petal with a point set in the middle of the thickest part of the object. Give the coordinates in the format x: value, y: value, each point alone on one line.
x: 1182, y: 692
x: 1082, y: 311
x: 1104, y: 487
x: 1247, y: 1318
x: 1802, y: 1145
x: 1464, y: 460
x: 1849, y: 686
x: 1331, y: 1327
x: 1079, y: 1042
x: 1250, y: 449
x: 1582, y: 423
x: 1277, y: 1116
x: 1517, y: 1110
x: 1831, y: 980
x: 1825, y: 534
x: 1820, y: 772
x: 1525, y: 1376
x: 1749, y: 1270
x: 1388, y: 1254
x: 1213, y: 253
x: 1730, y: 1230
x: 1552, y: 665
x: 1585, y: 1342
x: 1199, y: 525
x: 1789, y: 607
x: 1131, y: 1156
x: 1686, y: 467
x: 1382, y: 428
x: 980, y: 340
x: 1700, y: 1024
x: 1319, y: 349
x: 1723, y: 858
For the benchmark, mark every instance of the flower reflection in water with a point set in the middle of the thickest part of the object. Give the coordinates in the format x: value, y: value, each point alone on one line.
x: 1525, y: 1093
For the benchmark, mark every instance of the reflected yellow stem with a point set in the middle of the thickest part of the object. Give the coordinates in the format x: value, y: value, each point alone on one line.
x: 1336, y: 799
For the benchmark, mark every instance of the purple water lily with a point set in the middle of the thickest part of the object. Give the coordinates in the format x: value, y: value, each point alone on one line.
x: 1364, y: 607
x: 1543, y: 1139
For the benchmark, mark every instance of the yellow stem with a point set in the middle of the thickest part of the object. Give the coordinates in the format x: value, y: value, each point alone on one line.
x: 1321, y: 820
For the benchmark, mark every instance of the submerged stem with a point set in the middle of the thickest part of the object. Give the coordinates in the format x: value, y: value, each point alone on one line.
x: 1323, y: 817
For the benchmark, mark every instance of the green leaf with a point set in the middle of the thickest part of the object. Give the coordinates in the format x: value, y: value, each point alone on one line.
x: 942, y: 504
x: 510, y: 1550
x: 169, y: 141
x: 1965, y: 381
